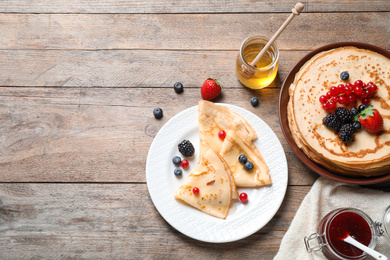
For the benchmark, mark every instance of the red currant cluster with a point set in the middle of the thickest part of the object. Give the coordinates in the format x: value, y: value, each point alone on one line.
x: 348, y: 93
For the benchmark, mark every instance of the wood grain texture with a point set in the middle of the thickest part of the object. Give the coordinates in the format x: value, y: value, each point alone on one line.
x: 187, y: 31
x: 191, y: 6
x: 78, y: 82
x: 104, y: 134
x: 126, y: 68
x: 114, y: 221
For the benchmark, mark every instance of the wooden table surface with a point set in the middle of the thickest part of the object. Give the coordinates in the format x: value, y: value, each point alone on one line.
x: 79, y: 81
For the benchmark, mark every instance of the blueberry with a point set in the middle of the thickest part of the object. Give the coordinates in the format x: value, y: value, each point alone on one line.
x: 362, y: 107
x: 357, y: 125
x: 158, y: 113
x: 354, y: 111
x: 242, y: 158
x: 255, y: 101
x: 178, y: 172
x: 178, y: 87
x: 248, y: 166
x: 176, y: 160
x: 344, y: 75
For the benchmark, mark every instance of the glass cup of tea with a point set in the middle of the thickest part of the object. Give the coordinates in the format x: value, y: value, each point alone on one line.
x: 263, y: 73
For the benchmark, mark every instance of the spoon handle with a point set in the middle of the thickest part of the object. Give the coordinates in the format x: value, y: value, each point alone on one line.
x: 366, y: 249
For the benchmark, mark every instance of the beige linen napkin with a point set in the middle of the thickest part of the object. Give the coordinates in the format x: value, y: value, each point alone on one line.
x: 325, y: 196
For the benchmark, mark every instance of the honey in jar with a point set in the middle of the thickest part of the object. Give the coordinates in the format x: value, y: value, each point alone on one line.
x: 263, y: 73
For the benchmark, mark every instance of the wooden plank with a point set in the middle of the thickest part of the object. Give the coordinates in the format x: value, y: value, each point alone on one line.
x: 114, y: 221
x: 125, y: 68
x: 187, y: 31
x: 191, y: 6
x: 103, y: 134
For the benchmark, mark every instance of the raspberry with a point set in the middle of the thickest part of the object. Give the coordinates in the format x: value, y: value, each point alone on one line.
x: 332, y: 122
x: 343, y: 115
x: 346, y: 133
x: 186, y: 148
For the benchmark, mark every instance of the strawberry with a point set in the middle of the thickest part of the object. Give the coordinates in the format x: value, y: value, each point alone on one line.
x: 371, y: 119
x: 210, y: 89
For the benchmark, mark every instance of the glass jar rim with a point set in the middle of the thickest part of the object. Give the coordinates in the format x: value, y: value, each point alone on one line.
x: 261, y: 37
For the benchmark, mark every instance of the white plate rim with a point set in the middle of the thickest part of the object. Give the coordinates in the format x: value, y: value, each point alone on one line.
x: 196, y: 224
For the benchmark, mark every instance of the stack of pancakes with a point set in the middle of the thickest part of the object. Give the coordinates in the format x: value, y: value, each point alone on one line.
x: 368, y: 154
x: 219, y: 172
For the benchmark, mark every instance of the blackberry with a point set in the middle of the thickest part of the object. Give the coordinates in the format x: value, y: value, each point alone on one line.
x: 346, y: 133
x: 354, y: 111
x: 158, y: 113
x: 178, y: 87
x: 248, y: 166
x: 255, y: 101
x: 176, y: 160
x: 344, y: 75
x: 242, y: 158
x: 344, y: 115
x: 331, y: 121
x: 186, y: 148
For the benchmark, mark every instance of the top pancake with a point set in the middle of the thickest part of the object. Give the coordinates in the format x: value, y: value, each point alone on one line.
x: 305, y: 112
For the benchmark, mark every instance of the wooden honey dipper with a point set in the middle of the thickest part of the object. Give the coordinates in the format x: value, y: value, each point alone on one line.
x: 294, y: 12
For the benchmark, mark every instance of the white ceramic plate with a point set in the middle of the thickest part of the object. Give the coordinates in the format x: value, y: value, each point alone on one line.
x: 243, y: 219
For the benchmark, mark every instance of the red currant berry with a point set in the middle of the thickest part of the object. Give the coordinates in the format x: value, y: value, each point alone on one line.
x: 364, y: 86
x: 325, y: 106
x: 342, y: 99
x: 334, y: 91
x: 357, y: 90
x: 348, y: 89
x: 328, y: 95
x: 366, y: 101
x: 351, y: 98
x: 195, y: 190
x: 244, y: 197
x: 359, y: 83
x: 341, y: 88
x: 323, y: 99
x: 373, y: 88
x: 184, y: 163
x: 331, y: 104
x: 365, y: 93
x: 222, y: 134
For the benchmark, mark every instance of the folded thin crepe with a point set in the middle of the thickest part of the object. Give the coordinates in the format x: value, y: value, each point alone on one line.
x: 232, y: 147
x: 213, y: 179
x: 212, y: 118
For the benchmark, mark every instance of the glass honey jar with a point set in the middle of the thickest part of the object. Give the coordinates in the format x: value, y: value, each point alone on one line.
x: 263, y: 73
x: 340, y: 223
